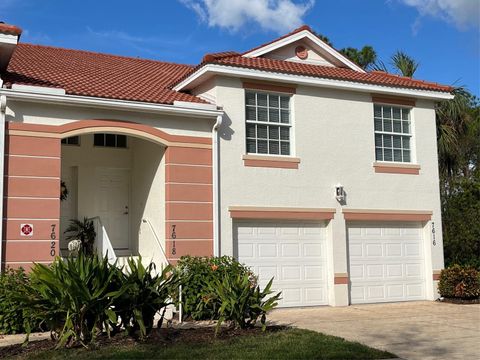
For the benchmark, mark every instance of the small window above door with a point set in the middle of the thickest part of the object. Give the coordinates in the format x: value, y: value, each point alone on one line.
x: 110, y: 140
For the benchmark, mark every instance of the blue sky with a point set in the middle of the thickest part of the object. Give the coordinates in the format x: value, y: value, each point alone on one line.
x: 443, y: 35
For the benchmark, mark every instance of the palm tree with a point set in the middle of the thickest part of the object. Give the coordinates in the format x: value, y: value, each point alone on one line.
x: 401, y: 63
x: 365, y: 57
x: 83, y: 231
x: 404, y: 64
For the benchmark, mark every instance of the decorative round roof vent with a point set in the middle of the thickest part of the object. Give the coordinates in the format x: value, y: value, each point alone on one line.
x: 301, y: 52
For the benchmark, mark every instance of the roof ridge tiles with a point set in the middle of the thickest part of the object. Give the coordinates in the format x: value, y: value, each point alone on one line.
x: 91, y: 52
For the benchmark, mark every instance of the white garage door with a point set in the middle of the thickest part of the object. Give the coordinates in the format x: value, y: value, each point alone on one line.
x: 386, y: 262
x: 293, y: 253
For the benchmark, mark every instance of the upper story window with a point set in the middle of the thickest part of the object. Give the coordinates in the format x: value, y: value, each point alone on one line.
x: 110, y: 140
x: 268, y: 123
x: 72, y: 140
x: 392, y: 133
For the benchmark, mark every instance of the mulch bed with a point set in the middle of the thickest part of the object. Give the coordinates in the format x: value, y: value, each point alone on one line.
x: 460, y: 301
x: 164, y: 336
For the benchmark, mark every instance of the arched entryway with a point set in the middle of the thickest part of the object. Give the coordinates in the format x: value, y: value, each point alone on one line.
x: 153, y: 189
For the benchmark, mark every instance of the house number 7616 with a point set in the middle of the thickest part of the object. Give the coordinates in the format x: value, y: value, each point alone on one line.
x: 433, y: 234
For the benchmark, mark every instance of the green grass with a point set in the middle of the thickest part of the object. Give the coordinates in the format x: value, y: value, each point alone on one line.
x: 287, y: 344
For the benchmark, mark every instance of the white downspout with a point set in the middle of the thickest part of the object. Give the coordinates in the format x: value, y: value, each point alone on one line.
x: 216, y: 189
x: 3, y: 108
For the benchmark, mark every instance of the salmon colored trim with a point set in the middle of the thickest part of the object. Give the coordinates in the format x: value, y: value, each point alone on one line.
x: 341, y: 279
x: 269, y: 87
x: 87, y: 126
x: 188, y: 174
x: 271, y: 161
x: 238, y: 212
x: 436, y: 274
x: 393, y: 100
x: 411, y: 169
x: 386, y: 215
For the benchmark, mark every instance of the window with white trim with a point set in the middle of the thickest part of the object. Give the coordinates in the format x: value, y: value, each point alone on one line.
x: 268, y: 123
x: 392, y: 133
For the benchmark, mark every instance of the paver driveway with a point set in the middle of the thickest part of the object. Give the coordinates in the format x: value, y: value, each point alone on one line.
x: 411, y: 330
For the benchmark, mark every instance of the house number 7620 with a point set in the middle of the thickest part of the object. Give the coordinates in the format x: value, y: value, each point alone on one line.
x: 53, y: 237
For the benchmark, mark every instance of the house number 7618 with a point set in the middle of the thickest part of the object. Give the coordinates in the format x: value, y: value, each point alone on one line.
x: 174, y: 236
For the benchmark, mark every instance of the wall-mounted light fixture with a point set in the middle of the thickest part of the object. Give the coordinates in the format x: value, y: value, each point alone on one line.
x: 339, y: 192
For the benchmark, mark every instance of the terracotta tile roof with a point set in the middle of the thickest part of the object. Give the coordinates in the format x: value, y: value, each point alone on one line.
x: 324, y: 72
x: 97, y: 75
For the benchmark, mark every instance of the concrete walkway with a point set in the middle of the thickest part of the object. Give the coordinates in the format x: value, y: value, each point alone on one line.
x: 410, y: 330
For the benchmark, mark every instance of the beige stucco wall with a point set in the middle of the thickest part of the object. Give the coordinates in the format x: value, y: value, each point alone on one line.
x: 50, y: 114
x: 334, y: 138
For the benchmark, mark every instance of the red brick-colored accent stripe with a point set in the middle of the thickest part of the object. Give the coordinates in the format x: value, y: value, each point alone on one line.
x: 189, y: 202
x: 386, y: 215
x: 340, y: 280
x: 32, y: 188
x: 395, y: 100
x: 75, y: 127
x: 269, y: 87
x: 280, y: 213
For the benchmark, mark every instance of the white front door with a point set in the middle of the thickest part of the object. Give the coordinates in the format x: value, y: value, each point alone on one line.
x: 113, y: 205
x: 386, y: 262
x: 293, y: 253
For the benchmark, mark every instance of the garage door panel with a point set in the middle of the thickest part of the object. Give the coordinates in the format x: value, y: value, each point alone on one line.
x: 386, y: 262
x: 292, y: 253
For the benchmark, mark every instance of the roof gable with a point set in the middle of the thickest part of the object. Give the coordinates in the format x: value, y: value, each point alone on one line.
x: 284, y: 48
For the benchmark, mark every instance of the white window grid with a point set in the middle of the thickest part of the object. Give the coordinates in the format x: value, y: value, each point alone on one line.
x: 393, y: 133
x: 268, y: 123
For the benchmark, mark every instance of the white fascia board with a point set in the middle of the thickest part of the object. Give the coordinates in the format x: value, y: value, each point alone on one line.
x: 9, y: 39
x: 38, y: 89
x: 299, y: 36
x: 192, y: 105
x: 109, y: 103
x: 215, y: 69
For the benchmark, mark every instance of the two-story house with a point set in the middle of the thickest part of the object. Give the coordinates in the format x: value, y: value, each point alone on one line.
x: 289, y: 157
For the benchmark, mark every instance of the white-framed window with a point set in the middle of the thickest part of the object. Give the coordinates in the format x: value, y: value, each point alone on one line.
x: 72, y: 140
x: 268, y: 123
x: 110, y: 140
x: 393, y: 133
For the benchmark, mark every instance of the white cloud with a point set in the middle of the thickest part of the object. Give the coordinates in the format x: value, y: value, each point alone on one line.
x: 275, y: 15
x: 462, y: 13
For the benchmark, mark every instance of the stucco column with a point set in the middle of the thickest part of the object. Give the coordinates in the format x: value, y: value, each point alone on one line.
x: 339, y: 295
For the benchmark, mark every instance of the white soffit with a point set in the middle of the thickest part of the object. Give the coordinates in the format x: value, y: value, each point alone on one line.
x: 210, y: 70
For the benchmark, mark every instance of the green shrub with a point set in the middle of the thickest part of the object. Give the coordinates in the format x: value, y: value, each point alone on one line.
x: 74, y: 298
x: 241, y: 300
x: 459, y: 282
x: 195, y: 273
x: 14, y: 316
x: 143, y: 295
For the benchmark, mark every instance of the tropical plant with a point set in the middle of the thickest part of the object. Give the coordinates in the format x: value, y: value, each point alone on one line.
x: 83, y: 231
x: 194, y: 274
x: 144, y: 294
x: 404, y: 63
x: 15, y: 317
x: 460, y: 282
x: 364, y: 57
x: 74, y: 298
x: 241, y: 300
